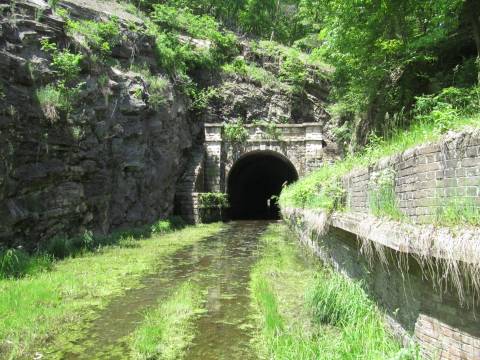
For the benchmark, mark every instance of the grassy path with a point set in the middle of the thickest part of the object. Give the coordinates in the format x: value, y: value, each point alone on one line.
x: 36, y: 309
x: 305, y: 311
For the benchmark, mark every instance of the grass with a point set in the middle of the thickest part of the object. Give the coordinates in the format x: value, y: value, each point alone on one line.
x: 38, y: 308
x: 254, y: 73
x: 51, y: 101
x: 308, y: 312
x: 169, y: 329
x: 458, y: 211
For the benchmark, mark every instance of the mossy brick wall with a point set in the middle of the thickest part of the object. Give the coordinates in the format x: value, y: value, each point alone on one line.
x: 426, y: 177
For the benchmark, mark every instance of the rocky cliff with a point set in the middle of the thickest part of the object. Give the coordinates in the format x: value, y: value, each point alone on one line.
x: 113, y: 160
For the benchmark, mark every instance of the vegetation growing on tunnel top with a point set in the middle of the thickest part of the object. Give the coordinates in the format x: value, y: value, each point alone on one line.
x: 309, y: 312
x: 451, y: 109
x: 235, y: 132
x: 168, y: 329
x: 46, y: 307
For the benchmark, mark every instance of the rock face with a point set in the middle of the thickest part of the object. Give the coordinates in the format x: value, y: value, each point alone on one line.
x: 241, y: 97
x: 113, y: 162
x: 116, y: 159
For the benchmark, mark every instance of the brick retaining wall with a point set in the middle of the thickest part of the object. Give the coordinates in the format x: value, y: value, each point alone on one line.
x: 425, y: 177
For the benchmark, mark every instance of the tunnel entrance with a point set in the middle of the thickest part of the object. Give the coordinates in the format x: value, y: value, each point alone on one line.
x: 252, y: 182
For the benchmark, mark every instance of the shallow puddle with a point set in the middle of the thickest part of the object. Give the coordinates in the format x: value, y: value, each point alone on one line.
x: 220, y: 265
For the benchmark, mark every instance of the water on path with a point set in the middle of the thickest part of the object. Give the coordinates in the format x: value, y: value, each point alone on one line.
x: 221, y: 265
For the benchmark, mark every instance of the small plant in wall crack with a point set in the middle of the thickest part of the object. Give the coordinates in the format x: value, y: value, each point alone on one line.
x: 269, y: 128
x: 381, y: 195
x: 59, y: 96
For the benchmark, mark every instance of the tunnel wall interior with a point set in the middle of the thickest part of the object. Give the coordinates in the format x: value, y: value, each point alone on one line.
x: 255, y: 181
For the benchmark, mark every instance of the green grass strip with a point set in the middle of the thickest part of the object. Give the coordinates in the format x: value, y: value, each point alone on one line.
x: 305, y: 311
x: 35, y: 309
x: 169, y: 329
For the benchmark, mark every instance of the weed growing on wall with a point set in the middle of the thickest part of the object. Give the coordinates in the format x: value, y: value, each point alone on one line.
x: 201, y: 98
x: 458, y: 211
x: 381, y: 195
x: 235, y: 132
x: 254, y: 73
x: 60, y: 96
x: 269, y: 128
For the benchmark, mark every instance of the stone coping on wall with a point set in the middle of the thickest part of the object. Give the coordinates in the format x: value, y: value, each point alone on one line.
x: 457, y: 244
x: 302, y: 125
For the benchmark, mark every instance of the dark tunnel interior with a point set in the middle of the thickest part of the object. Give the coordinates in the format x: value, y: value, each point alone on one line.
x: 252, y: 182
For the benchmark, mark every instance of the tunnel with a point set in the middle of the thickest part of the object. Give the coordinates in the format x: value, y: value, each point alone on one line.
x: 252, y: 182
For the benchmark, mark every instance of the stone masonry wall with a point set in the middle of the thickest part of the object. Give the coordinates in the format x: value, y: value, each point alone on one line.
x: 426, y: 177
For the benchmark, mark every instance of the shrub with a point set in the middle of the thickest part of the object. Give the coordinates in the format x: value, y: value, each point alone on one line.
x: 66, y: 63
x: 100, y: 37
x: 60, y: 247
x: 235, y: 132
x: 17, y: 263
x: 250, y: 71
x: 167, y: 225
x: 213, y: 200
x: 201, y: 98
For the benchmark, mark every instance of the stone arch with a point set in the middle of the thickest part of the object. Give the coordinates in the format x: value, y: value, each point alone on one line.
x: 253, y: 179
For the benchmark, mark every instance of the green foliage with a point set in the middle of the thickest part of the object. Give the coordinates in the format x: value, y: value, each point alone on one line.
x: 168, y: 225
x: 53, y: 3
x: 61, y: 96
x: 202, y: 98
x: 235, y: 132
x: 2, y: 92
x: 252, y: 72
x: 16, y: 263
x: 62, y: 298
x: 213, y: 200
x: 179, y: 54
x: 51, y: 99
x: 428, y: 126
x: 66, y: 63
x: 270, y: 128
x: 381, y: 196
x: 156, y: 86
x: 167, y: 330
x: 289, y: 291
x: 99, y: 36
x: 161, y: 227
x: 458, y: 211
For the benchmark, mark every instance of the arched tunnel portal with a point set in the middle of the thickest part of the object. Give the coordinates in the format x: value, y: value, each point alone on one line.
x: 252, y: 182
